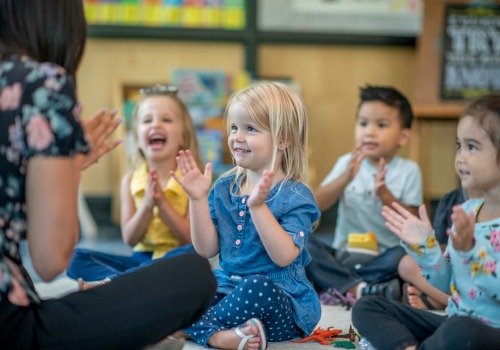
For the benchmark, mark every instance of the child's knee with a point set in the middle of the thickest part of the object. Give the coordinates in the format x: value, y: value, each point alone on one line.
x: 256, y: 282
x: 364, y: 306
x: 407, y: 267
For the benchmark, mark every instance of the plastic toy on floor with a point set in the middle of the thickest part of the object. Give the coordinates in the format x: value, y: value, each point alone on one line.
x: 333, y: 297
x: 322, y: 336
x: 326, y: 336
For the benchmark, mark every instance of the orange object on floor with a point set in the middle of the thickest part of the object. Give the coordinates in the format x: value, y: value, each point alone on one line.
x: 322, y: 336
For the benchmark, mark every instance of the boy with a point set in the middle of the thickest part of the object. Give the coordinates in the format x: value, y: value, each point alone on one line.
x: 363, y: 182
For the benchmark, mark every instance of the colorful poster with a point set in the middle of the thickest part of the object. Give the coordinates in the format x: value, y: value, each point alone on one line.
x: 214, y: 14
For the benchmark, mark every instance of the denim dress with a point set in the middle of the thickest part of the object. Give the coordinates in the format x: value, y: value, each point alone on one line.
x: 242, y: 253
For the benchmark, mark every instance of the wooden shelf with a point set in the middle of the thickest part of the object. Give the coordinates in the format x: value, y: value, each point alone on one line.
x: 439, y: 111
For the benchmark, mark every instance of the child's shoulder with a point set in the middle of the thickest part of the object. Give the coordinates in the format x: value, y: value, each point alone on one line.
x: 228, y: 177
x: 472, y: 204
x: 404, y: 164
x: 293, y: 189
x: 344, y: 158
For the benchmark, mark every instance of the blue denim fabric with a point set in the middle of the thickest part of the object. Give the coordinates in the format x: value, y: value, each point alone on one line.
x: 92, y: 265
x: 243, y: 254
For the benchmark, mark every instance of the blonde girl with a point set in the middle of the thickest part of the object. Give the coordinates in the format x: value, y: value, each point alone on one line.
x: 154, y: 208
x: 257, y: 217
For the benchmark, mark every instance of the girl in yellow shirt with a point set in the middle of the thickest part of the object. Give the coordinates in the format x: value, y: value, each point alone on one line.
x: 154, y: 207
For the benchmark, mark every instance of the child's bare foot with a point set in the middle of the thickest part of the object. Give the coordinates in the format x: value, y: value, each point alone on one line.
x: 251, y: 336
x: 421, y: 301
x: 83, y: 285
x: 180, y: 335
x: 169, y: 343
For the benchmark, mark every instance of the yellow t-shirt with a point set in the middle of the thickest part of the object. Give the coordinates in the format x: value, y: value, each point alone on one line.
x: 159, y: 238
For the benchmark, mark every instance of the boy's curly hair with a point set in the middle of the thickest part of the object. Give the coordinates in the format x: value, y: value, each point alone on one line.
x: 391, y: 97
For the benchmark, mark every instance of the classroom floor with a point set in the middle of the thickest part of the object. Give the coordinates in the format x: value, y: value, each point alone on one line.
x: 109, y: 240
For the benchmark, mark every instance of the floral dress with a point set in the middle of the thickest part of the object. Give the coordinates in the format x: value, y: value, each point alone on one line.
x: 39, y: 116
x: 470, y: 277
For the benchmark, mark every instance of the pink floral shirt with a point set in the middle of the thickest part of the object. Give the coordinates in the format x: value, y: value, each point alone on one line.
x: 39, y: 115
x: 470, y: 277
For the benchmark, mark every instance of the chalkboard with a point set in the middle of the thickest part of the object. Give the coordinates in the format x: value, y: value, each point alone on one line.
x: 471, y: 51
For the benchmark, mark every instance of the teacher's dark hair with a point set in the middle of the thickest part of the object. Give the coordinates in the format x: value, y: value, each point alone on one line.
x: 46, y: 30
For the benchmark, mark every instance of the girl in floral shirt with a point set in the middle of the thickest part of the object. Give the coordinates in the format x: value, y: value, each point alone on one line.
x: 468, y: 268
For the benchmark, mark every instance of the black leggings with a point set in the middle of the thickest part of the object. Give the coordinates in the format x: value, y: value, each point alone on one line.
x: 392, y: 325
x: 131, y: 312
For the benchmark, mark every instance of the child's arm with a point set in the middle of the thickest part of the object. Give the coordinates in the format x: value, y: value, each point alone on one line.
x: 329, y: 193
x: 197, y: 186
x: 134, y: 221
x: 386, y: 196
x: 479, y: 259
x: 278, y: 243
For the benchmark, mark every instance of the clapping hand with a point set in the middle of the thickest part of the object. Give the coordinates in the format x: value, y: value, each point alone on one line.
x: 462, y: 238
x: 380, y: 176
x: 153, y: 189
x: 97, y: 130
x: 355, y: 162
x: 408, y: 227
x: 261, y: 190
x: 196, y: 184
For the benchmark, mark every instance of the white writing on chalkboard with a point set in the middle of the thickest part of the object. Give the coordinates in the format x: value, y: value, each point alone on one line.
x: 474, y: 40
x: 471, y: 51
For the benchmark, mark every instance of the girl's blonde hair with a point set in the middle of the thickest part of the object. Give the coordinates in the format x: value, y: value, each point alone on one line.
x: 279, y: 109
x: 188, y: 129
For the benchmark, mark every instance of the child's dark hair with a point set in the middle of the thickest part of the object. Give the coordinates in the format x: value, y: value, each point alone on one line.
x: 391, y: 97
x: 486, y: 111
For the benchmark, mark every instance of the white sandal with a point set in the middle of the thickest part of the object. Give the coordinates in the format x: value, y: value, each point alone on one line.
x: 261, y: 334
x: 244, y: 338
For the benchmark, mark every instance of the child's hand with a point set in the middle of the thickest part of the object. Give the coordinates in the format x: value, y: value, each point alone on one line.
x: 150, y: 195
x: 462, y: 238
x: 156, y: 186
x: 196, y: 184
x: 355, y: 162
x: 261, y: 190
x: 405, y: 225
x: 380, y: 177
